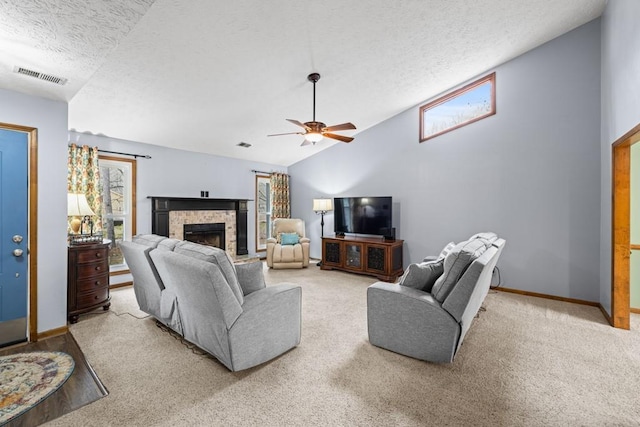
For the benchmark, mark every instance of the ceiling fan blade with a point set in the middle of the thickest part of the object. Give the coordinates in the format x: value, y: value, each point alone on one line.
x: 288, y: 133
x: 343, y: 126
x: 305, y: 142
x: 338, y: 137
x: 297, y: 123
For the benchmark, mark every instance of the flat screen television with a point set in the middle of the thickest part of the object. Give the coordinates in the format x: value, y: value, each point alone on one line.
x: 362, y: 215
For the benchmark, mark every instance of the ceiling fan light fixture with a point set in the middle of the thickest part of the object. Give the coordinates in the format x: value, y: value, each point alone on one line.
x: 315, y: 131
x: 313, y: 137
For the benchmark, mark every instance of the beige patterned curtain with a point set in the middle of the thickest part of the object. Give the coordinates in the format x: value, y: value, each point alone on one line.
x: 83, y: 176
x: 280, y: 201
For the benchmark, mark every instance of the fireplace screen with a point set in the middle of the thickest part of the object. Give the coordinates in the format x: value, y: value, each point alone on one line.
x: 206, y: 234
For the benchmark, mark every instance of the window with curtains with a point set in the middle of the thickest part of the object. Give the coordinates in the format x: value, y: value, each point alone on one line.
x: 109, y: 185
x: 118, y: 177
x: 272, y: 201
x: 263, y: 211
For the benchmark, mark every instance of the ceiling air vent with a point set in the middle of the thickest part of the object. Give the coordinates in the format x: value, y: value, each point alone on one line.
x: 40, y: 76
x: 244, y: 145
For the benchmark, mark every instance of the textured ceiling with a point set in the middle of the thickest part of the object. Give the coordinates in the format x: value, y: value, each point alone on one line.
x: 205, y: 75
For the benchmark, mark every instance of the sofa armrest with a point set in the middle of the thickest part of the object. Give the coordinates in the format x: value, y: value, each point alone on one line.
x: 410, y: 322
x: 305, y: 243
x: 272, y: 240
x: 269, y: 325
x: 430, y: 258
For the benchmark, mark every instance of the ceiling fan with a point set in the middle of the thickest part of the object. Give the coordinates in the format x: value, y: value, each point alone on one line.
x: 314, y: 131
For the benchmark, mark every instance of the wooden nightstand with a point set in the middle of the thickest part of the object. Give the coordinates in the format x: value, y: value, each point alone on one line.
x: 87, y: 279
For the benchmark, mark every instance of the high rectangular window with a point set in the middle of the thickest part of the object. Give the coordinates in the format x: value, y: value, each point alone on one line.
x: 461, y: 107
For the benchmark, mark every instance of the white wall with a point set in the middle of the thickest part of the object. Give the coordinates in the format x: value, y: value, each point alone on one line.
x: 620, y: 109
x: 531, y: 172
x: 180, y: 173
x: 50, y: 118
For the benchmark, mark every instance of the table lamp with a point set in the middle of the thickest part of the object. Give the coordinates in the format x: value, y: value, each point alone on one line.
x: 78, y: 206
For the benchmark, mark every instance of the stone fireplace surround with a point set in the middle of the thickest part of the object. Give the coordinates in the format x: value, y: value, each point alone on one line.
x: 177, y: 220
x: 168, y: 214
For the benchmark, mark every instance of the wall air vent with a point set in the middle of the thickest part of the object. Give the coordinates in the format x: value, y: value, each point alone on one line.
x: 41, y: 76
x: 243, y: 144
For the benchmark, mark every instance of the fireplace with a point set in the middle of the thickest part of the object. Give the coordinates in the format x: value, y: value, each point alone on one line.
x: 231, y: 211
x: 206, y: 234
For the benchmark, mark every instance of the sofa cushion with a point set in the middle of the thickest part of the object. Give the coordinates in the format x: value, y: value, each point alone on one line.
x: 422, y: 276
x: 216, y: 256
x: 289, y: 238
x: 487, y: 235
x: 445, y: 251
x: 250, y: 276
x: 149, y: 240
x: 456, y: 263
x: 288, y: 253
x: 168, y: 244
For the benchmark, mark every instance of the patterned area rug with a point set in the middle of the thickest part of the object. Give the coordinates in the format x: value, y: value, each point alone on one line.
x: 28, y: 378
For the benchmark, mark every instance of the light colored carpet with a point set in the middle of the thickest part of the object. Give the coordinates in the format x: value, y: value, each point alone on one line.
x: 123, y: 302
x: 525, y: 362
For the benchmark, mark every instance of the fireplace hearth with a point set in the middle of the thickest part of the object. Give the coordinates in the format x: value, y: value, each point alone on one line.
x: 206, y: 234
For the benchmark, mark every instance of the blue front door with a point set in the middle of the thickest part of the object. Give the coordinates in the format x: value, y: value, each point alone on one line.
x: 13, y: 236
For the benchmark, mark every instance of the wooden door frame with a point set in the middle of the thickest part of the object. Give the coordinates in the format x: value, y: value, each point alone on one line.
x: 32, y: 136
x: 621, y: 228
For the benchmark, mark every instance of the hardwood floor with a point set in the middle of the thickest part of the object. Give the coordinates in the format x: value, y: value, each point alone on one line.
x: 82, y: 387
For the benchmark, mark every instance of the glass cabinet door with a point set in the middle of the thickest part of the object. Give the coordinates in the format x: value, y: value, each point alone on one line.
x: 353, y: 255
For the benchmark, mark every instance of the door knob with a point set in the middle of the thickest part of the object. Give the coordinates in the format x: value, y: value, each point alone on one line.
x: 17, y: 252
x: 17, y: 238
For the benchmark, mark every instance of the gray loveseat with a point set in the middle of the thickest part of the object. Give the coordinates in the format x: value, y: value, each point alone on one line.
x: 223, y: 308
x: 427, y: 314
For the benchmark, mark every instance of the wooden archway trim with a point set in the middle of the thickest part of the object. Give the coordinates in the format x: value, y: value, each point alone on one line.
x: 33, y: 225
x: 621, y: 229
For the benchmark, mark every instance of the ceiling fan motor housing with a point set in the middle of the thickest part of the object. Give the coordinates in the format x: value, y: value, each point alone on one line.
x: 315, y: 126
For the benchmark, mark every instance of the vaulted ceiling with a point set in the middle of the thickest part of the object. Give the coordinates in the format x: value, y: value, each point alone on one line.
x: 205, y: 75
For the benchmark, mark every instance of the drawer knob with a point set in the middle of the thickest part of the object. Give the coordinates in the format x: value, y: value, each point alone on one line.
x: 97, y: 282
x: 96, y: 297
x: 98, y: 254
x: 98, y: 268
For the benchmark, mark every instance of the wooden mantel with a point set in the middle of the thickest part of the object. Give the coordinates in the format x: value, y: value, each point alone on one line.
x: 161, y: 206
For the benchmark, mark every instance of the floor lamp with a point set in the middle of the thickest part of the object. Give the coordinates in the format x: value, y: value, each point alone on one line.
x: 321, y: 207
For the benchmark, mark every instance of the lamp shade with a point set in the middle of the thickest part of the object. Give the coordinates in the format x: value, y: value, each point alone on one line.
x: 77, y: 205
x: 322, y: 205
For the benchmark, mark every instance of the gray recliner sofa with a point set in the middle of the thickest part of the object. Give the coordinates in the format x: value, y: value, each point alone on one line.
x: 152, y: 295
x: 223, y: 308
x: 427, y: 315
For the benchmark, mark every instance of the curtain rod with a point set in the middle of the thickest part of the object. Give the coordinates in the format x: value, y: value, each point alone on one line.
x: 144, y: 156
x: 266, y: 173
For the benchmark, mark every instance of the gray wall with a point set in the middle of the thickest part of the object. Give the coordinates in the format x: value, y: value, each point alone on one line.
x: 180, y: 173
x: 531, y: 172
x: 620, y: 109
x: 50, y: 118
